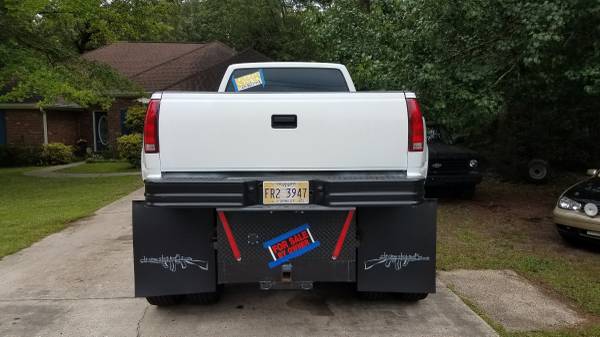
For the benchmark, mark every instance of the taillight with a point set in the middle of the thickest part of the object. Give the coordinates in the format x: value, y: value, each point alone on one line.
x: 416, y: 132
x: 151, y: 127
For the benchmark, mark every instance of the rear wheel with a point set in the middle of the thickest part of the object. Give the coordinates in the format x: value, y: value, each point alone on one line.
x: 164, y: 301
x: 204, y: 298
x: 538, y: 171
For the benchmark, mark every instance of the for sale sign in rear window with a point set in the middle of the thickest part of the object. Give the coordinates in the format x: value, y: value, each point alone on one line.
x: 290, y: 245
x: 248, y: 81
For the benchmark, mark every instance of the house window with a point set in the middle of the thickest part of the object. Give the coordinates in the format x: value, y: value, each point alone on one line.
x: 122, y: 117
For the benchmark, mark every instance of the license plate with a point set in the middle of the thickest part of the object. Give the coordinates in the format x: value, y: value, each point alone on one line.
x: 285, y: 192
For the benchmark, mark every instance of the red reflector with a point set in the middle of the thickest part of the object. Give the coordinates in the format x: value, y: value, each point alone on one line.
x: 342, y: 237
x: 151, y: 127
x: 230, y: 238
x: 416, y: 132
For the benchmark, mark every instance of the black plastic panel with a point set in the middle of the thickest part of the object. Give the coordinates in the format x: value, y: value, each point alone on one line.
x: 173, y: 250
x: 252, y: 228
x: 397, y: 251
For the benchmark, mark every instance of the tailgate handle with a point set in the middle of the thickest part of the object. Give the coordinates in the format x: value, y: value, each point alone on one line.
x: 284, y: 121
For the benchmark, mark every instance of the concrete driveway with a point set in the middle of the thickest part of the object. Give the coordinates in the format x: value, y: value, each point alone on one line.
x: 79, y: 282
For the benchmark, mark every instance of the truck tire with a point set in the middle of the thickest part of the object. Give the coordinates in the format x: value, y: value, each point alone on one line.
x: 538, y: 171
x: 413, y: 297
x: 204, y: 298
x: 164, y: 301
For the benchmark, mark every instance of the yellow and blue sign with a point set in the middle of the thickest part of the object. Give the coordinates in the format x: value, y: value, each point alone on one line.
x: 290, y: 245
x: 248, y: 81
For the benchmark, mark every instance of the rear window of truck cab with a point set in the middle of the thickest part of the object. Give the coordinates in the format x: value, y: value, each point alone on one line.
x: 287, y: 80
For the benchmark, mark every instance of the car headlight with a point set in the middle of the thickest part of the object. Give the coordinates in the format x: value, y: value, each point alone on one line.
x: 567, y: 203
x: 590, y: 210
x: 473, y: 163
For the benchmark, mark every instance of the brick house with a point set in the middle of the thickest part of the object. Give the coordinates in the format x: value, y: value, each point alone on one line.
x: 153, y: 66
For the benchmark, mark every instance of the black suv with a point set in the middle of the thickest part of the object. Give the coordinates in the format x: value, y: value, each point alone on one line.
x: 452, y: 168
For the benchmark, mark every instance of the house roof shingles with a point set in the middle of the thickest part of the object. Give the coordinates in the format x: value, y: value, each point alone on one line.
x: 210, y: 78
x: 158, y: 66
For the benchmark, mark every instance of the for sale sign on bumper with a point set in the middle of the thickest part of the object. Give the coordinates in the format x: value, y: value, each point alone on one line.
x: 290, y: 245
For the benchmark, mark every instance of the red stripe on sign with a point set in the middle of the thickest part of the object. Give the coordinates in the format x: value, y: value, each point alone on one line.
x: 234, y: 248
x: 342, y: 237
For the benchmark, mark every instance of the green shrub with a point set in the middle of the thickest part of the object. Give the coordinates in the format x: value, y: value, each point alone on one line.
x: 4, y: 155
x: 27, y: 155
x: 20, y: 155
x: 129, y: 148
x: 81, y: 148
x: 51, y: 154
x: 134, y: 120
x: 56, y: 153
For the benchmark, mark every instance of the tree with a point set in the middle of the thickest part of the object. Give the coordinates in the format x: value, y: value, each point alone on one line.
x: 86, y: 25
x: 134, y: 121
x: 273, y: 27
x: 478, y: 65
x: 500, y: 71
x: 41, y: 40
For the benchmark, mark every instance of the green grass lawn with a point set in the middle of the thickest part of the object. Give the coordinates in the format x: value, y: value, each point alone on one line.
x: 33, y: 207
x: 101, y: 167
x: 509, y: 226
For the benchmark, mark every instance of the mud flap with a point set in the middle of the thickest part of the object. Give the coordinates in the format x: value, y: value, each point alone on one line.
x: 173, y: 250
x: 397, y: 248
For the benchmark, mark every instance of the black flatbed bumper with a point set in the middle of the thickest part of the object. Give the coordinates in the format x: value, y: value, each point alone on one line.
x: 439, y: 180
x: 186, y: 250
x: 334, y: 189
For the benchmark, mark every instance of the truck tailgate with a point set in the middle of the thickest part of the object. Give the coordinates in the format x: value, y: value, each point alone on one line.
x: 210, y: 132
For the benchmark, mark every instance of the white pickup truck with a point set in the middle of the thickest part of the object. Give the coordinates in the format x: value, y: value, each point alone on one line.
x: 285, y: 177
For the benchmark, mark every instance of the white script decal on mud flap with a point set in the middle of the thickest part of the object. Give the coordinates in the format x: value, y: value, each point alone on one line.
x: 172, y: 262
x: 398, y: 261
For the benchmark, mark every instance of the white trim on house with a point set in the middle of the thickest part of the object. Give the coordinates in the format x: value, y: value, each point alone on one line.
x: 94, y: 129
x: 45, y: 124
x: 18, y: 106
x: 29, y: 106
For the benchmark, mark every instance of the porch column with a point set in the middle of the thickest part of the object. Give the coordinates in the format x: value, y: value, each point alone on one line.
x: 45, y: 124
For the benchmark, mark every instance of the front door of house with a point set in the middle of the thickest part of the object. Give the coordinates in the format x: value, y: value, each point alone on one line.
x: 100, y: 131
x: 2, y: 128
